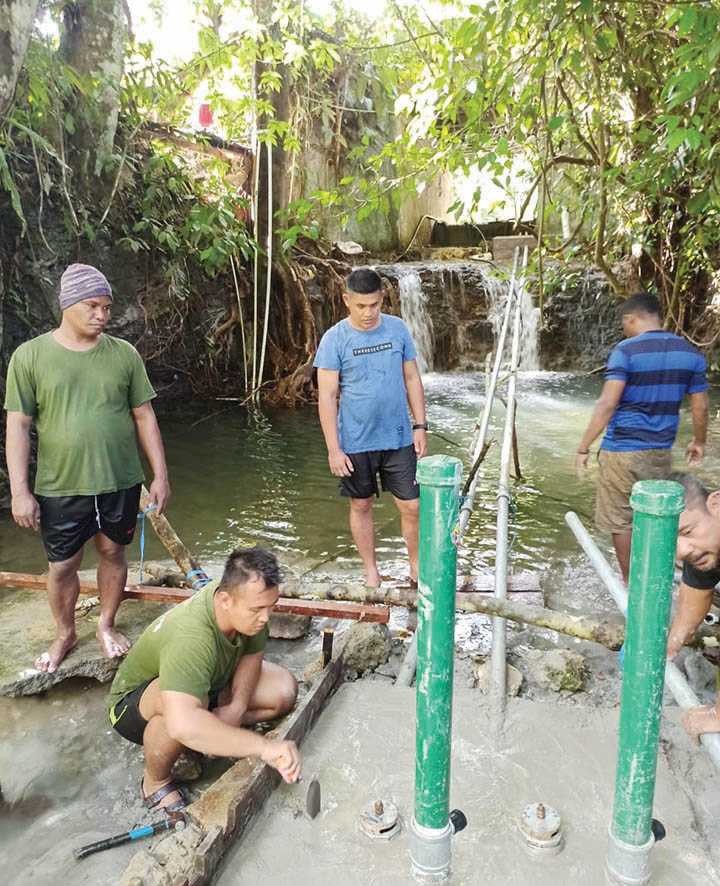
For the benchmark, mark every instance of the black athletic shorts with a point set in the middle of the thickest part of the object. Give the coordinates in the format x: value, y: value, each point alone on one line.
x: 396, y: 467
x: 67, y: 522
x: 127, y: 720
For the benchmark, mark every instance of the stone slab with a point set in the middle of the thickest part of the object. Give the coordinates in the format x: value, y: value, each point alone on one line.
x: 363, y: 749
x: 26, y: 629
x: 503, y: 248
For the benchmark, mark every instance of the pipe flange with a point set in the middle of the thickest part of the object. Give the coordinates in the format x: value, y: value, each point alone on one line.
x: 541, y: 829
x: 380, y: 820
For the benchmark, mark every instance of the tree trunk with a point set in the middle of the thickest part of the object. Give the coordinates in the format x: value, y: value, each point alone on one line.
x: 93, y: 40
x: 16, y: 23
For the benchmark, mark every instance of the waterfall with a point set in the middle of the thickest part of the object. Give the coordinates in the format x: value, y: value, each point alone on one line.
x: 413, y: 308
x: 529, y: 320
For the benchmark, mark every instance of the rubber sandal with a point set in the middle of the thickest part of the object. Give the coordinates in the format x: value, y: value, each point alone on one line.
x: 153, y: 800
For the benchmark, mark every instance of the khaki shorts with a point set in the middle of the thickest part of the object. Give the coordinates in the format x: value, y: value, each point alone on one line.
x: 619, y: 471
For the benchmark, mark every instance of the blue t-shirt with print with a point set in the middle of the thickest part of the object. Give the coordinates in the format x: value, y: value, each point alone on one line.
x: 373, y: 411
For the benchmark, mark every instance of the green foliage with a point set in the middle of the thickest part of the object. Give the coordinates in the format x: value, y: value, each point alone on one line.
x: 184, y: 215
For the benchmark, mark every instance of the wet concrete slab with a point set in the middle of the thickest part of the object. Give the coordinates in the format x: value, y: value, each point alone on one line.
x: 363, y: 749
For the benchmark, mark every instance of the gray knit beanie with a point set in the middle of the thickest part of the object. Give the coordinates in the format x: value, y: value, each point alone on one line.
x: 79, y: 282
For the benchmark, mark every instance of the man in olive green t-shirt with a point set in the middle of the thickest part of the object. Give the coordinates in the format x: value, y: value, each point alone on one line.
x: 196, y: 676
x: 89, y: 397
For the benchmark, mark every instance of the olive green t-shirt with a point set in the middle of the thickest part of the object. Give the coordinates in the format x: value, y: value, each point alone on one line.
x: 188, y: 652
x: 81, y: 402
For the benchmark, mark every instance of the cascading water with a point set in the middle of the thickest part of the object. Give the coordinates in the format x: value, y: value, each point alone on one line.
x: 413, y: 308
x: 529, y: 319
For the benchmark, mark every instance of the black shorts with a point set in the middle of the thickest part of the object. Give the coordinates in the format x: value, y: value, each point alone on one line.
x: 127, y: 720
x: 396, y: 467
x: 67, y: 522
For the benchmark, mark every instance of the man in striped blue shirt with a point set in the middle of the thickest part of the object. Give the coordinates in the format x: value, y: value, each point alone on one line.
x: 648, y: 375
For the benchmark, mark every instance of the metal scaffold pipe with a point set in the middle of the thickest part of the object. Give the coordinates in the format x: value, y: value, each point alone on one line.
x: 431, y: 828
x: 674, y: 680
x: 498, y: 666
x: 656, y: 508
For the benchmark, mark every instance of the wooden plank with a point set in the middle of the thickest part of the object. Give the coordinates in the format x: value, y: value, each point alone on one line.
x: 379, y: 614
x: 373, y: 612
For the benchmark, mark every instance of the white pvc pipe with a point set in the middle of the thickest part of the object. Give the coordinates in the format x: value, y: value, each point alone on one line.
x: 674, y: 680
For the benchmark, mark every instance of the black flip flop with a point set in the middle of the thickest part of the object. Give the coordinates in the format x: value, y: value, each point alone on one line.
x: 153, y: 800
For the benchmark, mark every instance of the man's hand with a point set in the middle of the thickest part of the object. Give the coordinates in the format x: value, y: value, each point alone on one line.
x: 285, y: 757
x: 420, y: 442
x: 159, y: 493
x: 26, y: 510
x: 581, y: 463
x: 695, y: 453
x: 340, y: 464
x: 675, y: 642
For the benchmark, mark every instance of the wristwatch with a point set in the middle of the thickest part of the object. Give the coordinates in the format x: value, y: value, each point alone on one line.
x: 420, y: 426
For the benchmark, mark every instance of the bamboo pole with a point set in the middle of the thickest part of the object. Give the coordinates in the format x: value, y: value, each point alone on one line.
x: 606, y: 633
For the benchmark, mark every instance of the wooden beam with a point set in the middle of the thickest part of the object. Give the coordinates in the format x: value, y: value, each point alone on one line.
x: 379, y: 614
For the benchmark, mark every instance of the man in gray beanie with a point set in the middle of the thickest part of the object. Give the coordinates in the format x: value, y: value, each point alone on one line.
x: 90, y: 399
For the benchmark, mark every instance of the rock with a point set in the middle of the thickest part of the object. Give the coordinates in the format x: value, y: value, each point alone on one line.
x: 27, y: 628
x: 312, y: 671
x: 188, y: 766
x: 366, y: 647
x: 514, y: 678
x: 286, y: 626
x: 700, y: 673
x: 558, y: 669
x: 349, y: 247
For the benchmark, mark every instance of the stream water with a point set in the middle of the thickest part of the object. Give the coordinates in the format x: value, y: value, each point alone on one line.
x: 241, y: 479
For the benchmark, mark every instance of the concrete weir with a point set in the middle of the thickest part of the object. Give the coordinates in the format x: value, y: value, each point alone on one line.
x: 362, y: 750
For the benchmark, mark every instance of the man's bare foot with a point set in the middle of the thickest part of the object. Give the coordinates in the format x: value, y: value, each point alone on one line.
x: 373, y: 579
x: 112, y: 642
x: 698, y: 721
x: 48, y: 662
x: 153, y: 791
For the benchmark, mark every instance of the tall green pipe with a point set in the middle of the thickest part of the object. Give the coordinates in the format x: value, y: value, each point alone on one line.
x: 439, y: 479
x: 656, y: 508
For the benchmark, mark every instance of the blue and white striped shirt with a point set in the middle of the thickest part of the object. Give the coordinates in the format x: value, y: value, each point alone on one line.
x: 658, y: 369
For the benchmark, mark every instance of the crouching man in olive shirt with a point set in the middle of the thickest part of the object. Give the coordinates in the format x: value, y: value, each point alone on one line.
x: 196, y: 676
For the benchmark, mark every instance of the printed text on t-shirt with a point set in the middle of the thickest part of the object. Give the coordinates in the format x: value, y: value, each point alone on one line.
x: 385, y: 346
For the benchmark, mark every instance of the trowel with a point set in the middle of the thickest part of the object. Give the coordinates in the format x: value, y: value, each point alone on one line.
x: 313, y: 798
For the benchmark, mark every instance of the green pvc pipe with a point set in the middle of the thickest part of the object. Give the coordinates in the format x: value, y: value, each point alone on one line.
x: 439, y: 479
x: 656, y: 508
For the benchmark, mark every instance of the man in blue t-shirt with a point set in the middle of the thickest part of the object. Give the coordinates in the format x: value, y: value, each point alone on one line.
x: 368, y: 360
x: 647, y: 376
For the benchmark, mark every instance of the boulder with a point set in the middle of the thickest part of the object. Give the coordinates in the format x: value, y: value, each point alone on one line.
x: 558, y: 669
x: 286, y: 626
x: 483, y: 678
x: 366, y: 647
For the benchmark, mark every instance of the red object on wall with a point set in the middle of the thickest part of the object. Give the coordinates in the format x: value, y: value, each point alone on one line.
x: 206, y: 115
